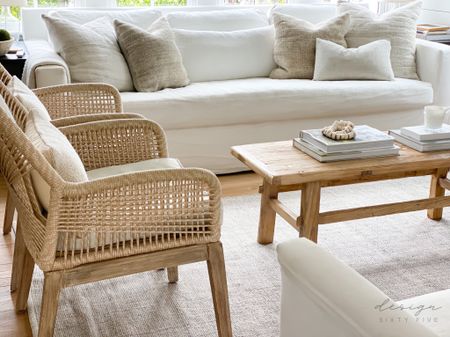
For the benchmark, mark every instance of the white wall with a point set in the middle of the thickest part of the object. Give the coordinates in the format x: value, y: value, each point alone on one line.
x: 436, y: 11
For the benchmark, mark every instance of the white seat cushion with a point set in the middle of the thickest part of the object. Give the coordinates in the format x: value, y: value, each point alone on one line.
x: 259, y: 100
x: 437, y: 320
x: 146, y: 165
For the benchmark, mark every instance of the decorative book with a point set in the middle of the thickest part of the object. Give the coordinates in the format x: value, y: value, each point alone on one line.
x: 366, y: 138
x: 421, y: 146
x: 421, y: 133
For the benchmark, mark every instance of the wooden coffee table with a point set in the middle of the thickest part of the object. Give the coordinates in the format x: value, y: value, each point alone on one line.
x: 284, y: 169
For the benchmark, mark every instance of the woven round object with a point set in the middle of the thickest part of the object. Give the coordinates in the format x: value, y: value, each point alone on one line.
x: 339, y: 130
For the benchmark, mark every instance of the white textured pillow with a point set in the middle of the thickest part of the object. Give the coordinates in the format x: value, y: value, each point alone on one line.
x: 224, y: 20
x: 368, y: 62
x: 397, y: 26
x: 91, y: 51
x: 153, y: 57
x: 216, y: 56
x: 57, y: 150
x: 313, y: 13
x: 141, y: 17
x: 27, y: 97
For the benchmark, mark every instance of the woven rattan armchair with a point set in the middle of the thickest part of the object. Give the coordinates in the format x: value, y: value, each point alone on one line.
x: 96, y: 101
x: 137, y: 221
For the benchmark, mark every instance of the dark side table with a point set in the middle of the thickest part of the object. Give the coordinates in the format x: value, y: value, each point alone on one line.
x: 13, y: 64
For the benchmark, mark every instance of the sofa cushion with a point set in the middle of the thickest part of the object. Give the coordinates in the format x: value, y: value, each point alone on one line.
x: 437, y: 317
x: 371, y: 61
x: 142, y: 17
x: 313, y: 13
x: 153, y: 58
x: 90, y: 51
x: 215, y: 56
x: 260, y: 100
x: 295, y: 43
x: 398, y: 26
x: 223, y: 20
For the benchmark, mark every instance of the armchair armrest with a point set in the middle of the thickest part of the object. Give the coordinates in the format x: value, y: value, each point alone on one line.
x: 44, y: 66
x: 321, y: 296
x: 433, y: 66
x: 80, y: 99
x: 69, y: 121
x: 134, y: 213
x: 116, y: 142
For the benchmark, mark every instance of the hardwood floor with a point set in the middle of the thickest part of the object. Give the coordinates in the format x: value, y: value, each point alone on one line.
x: 17, y: 325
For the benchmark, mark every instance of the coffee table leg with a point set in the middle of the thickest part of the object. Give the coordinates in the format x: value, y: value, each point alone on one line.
x: 267, y: 214
x: 437, y: 190
x: 310, y: 207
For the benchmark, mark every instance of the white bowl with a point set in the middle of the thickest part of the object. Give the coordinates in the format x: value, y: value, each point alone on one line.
x: 5, y: 46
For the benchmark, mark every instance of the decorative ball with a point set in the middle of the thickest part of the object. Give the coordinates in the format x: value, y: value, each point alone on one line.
x: 339, y: 130
x: 4, y: 35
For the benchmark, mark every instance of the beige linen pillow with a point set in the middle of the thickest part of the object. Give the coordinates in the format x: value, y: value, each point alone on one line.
x: 90, y: 51
x: 57, y: 149
x: 27, y: 97
x: 153, y: 58
x: 295, y: 43
x: 397, y: 26
x: 369, y: 62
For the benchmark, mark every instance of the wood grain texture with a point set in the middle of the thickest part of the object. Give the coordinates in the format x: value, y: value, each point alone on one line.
x: 309, y: 211
x: 437, y: 190
x: 267, y: 214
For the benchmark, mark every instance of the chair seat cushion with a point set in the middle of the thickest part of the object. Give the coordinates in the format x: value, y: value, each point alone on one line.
x: 152, y: 164
x: 437, y: 319
x: 261, y: 100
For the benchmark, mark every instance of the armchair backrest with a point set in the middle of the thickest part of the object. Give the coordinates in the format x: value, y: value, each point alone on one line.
x: 5, y: 76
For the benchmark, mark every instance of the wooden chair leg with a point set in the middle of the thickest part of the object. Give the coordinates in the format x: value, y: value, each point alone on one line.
x: 219, y: 289
x: 18, y: 259
x: 50, y: 300
x: 25, y: 282
x: 172, y: 274
x: 10, y: 209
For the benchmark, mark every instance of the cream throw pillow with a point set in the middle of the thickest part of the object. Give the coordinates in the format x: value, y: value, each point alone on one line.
x: 153, y: 58
x: 397, y: 26
x: 369, y: 62
x: 57, y: 149
x: 91, y: 51
x: 295, y: 43
x: 28, y: 99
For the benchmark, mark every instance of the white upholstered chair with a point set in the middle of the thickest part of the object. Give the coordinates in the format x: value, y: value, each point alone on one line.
x: 322, y: 297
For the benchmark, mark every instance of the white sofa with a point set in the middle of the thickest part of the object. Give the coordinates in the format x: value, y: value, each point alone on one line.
x: 322, y: 297
x: 204, y: 119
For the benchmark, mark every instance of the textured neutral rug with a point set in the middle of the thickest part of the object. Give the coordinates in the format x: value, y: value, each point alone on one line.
x: 405, y: 255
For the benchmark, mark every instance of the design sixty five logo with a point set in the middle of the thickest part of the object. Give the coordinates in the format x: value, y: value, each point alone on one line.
x: 419, y: 312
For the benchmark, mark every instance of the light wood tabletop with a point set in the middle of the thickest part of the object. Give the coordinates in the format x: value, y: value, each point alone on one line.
x: 285, y: 168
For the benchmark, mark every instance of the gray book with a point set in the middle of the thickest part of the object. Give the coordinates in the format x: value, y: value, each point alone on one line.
x: 366, y: 138
x: 421, y: 146
x: 323, y: 157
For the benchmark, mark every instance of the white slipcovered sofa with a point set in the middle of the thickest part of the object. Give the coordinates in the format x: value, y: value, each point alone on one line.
x: 206, y: 118
x: 322, y: 297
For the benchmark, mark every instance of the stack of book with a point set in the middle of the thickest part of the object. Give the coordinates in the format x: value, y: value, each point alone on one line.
x: 368, y: 143
x: 434, y: 33
x: 423, y: 139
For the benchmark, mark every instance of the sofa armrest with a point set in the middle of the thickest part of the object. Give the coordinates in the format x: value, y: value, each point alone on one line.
x: 44, y: 66
x: 321, y: 296
x: 433, y: 66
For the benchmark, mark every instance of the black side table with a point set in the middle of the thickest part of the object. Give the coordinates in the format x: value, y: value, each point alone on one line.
x: 13, y: 64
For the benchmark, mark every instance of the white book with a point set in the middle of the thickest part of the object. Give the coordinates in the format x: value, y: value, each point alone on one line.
x: 366, y: 138
x: 421, y: 133
x: 323, y: 157
x: 427, y: 146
